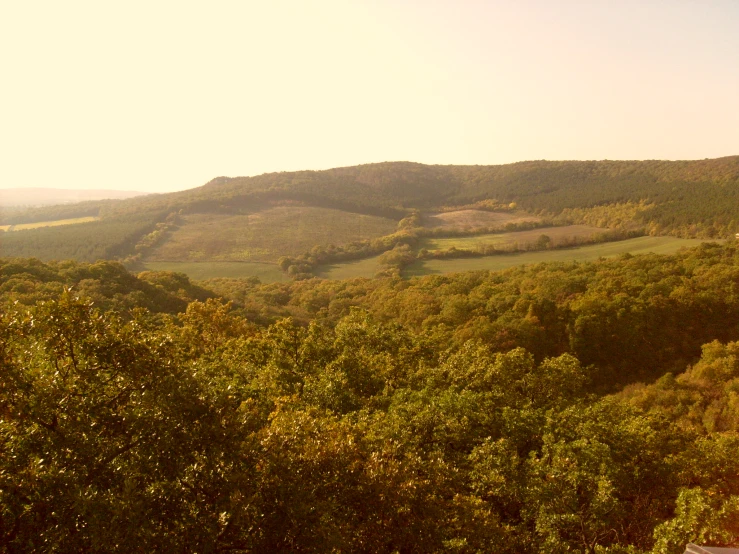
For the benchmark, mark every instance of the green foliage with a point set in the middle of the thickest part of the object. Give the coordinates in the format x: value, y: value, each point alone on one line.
x: 452, y: 413
x: 702, y: 517
x: 301, y: 267
x: 101, y: 433
x: 107, y: 284
x: 634, y: 317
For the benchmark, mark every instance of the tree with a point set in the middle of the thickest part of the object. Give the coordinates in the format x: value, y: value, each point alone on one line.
x: 104, y: 433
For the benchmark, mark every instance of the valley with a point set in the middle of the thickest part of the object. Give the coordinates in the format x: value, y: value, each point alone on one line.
x: 236, y: 318
x: 265, y: 236
x: 393, y: 218
x: 398, y: 357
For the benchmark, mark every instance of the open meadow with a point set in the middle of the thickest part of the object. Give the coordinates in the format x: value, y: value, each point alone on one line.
x: 267, y: 235
x: 556, y: 234
x: 639, y: 245
x: 200, y: 271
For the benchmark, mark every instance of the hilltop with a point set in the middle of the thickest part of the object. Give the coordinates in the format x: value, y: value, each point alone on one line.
x: 307, y: 218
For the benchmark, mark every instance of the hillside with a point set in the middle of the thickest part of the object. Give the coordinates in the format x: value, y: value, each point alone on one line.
x: 375, y: 208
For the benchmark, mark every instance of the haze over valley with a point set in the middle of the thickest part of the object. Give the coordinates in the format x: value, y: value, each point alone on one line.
x: 32, y: 197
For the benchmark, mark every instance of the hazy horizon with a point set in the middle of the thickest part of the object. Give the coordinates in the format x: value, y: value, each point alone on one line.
x: 163, y: 97
x: 135, y: 192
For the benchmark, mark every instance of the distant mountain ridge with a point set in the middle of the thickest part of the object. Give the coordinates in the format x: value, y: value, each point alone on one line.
x: 47, y: 196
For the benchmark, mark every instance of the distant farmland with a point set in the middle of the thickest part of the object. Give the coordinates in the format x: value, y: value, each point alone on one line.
x: 200, y: 271
x: 557, y: 234
x: 640, y: 245
x: 265, y: 236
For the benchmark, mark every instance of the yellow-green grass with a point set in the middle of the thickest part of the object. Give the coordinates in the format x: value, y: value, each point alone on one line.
x: 640, y: 245
x: 267, y: 235
x: 39, y: 224
x: 367, y: 267
x: 473, y: 219
x: 4, y: 227
x: 557, y: 234
x: 200, y: 271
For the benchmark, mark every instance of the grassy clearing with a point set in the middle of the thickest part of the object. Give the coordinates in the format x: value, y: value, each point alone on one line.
x: 40, y: 224
x: 200, y: 271
x: 640, y: 245
x: 367, y: 267
x: 4, y: 228
x: 557, y: 234
x: 265, y: 236
x: 470, y: 220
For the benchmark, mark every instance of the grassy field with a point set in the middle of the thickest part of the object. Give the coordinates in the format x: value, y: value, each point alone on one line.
x: 640, y: 245
x: 348, y: 270
x: 557, y: 234
x: 39, y: 224
x: 199, y: 271
x: 265, y: 236
x: 469, y: 220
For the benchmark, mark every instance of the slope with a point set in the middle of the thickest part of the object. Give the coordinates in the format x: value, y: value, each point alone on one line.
x: 681, y: 198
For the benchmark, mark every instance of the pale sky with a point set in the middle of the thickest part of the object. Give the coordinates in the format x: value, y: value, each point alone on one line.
x: 165, y: 95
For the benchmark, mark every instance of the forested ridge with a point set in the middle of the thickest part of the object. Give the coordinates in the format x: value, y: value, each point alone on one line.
x: 682, y: 198
x: 578, y: 407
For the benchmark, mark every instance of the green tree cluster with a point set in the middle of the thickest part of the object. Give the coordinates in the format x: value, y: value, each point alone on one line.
x: 633, y: 317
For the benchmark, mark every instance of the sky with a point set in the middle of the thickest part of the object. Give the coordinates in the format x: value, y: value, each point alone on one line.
x: 163, y: 95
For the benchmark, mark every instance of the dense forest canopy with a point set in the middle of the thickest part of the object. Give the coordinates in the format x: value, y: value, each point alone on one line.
x: 578, y: 407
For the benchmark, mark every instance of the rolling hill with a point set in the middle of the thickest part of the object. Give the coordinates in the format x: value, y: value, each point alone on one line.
x: 307, y: 218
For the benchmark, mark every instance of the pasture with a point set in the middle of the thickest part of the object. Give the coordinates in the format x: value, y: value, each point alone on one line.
x: 639, y: 245
x: 267, y: 235
x: 200, y: 271
x: 472, y: 220
x: 476, y: 242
